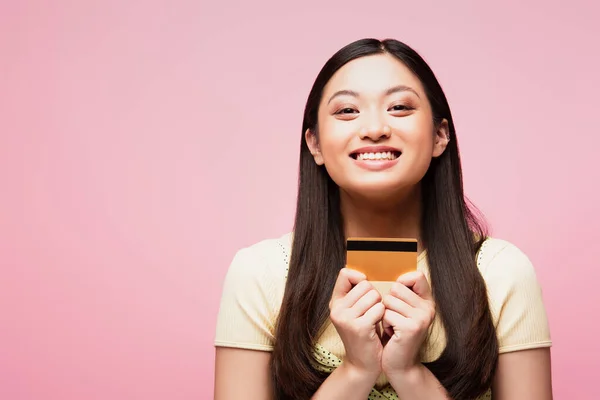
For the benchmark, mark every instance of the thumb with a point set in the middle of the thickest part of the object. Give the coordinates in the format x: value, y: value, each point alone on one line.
x: 347, y: 278
x: 416, y: 281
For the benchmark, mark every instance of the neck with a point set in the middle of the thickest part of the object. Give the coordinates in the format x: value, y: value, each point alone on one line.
x: 398, y: 219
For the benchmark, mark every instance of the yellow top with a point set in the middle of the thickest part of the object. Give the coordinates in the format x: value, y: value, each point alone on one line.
x: 255, y: 282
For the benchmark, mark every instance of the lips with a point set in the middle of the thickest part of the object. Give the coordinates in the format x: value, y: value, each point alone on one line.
x: 385, y: 155
x: 376, y: 158
x: 376, y: 153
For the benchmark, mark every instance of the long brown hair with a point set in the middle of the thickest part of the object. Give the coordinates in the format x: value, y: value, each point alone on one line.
x: 451, y: 232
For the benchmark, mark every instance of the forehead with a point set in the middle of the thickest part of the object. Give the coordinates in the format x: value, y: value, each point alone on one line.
x: 372, y: 75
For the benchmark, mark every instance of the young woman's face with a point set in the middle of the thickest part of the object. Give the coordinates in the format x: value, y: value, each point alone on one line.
x: 375, y: 132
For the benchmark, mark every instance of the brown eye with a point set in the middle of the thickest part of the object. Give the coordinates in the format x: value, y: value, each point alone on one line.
x: 346, y: 110
x: 400, y: 107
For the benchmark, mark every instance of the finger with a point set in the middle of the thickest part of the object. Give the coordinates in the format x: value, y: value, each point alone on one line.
x: 388, y: 329
x: 395, y: 304
x: 346, y: 279
x: 355, y: 294
x: 394, y: 320
x: 406, y: 295
x: 365, y: 303
x: 417, y: 321
x: 374, y: 314
x: 417, y: 281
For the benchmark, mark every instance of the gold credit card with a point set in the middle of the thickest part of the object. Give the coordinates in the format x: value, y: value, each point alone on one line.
x: 381, y: 259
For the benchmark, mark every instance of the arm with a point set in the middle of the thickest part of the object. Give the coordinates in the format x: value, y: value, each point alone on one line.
x: 244, y: 331
x: 516, y: 301
x: 523, y: 375
x: 345, y: 383
x: 410, y: 311
x: 355, y: 310
x: 241, y: 373
x: 419, y: 383
x: 244, y: 373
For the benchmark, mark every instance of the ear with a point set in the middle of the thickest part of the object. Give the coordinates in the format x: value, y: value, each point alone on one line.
x: 313, y: 146
x: 441, y: 139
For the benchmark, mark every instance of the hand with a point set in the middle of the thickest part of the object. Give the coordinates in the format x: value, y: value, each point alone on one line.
x: 355, y: 313
x: 406, y: 321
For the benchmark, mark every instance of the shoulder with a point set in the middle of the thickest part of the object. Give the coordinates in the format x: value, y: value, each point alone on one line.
x: 515, y: 296
x: 252, y: 294
x: 269, y: 256
x: 501, y: 259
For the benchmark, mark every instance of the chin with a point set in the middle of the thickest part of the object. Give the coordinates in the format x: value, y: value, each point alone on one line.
x: 380, y: 192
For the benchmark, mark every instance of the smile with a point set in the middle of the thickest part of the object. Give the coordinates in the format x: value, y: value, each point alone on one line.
x: 376, y: 156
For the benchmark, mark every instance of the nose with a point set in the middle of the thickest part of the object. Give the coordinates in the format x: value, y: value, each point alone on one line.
x: 375, y: 132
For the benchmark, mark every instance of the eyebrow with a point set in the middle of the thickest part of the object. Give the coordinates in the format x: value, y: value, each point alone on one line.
x: 392, y: 90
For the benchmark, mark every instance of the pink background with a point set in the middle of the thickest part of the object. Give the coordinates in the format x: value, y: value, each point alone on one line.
x: 143, y: 143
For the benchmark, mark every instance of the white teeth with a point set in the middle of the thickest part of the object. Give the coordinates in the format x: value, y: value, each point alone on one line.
x: 388, y: 155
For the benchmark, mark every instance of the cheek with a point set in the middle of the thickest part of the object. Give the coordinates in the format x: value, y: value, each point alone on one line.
x: 334, y: 141
x: 418, y: 137
x: 332, y: 152
x: 417, y: 132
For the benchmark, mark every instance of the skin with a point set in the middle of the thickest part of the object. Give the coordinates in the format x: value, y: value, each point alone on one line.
x: 376, y: 100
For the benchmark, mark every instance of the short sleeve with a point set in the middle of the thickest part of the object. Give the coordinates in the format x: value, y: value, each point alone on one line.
x: 516, y: 299
x: 246, y: 316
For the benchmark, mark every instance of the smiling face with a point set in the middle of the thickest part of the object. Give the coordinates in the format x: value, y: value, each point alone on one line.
x: 375, y: 133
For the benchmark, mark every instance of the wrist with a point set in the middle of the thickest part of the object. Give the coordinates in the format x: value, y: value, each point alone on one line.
x: 408, y: 376
x: 417, y: 382
x: 359, y: 375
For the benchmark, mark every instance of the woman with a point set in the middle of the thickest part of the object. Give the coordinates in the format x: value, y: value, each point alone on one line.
x: 379, y: 158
